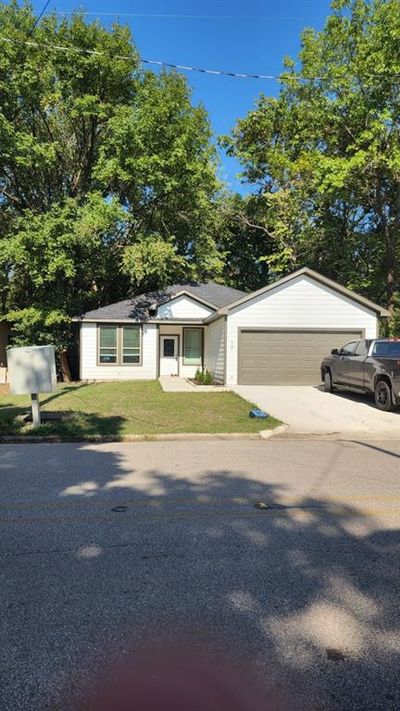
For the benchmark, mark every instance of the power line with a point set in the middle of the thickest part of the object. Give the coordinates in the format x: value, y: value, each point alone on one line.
x: 176, y: 17
x: 186, y: 68
x: 39, y: 18
x: 81, y: 50
x: 237, y: 75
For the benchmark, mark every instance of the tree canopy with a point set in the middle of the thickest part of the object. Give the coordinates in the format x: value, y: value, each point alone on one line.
x: 324, y: 156
x: 107, y: 173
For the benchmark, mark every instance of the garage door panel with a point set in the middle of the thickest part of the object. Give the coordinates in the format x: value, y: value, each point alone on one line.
x: 286, y: 357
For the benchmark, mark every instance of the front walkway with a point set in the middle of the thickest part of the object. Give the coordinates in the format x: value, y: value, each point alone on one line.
x: 174, y: 384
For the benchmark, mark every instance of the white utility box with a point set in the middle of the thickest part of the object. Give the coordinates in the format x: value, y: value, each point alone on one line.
x: 31, y: 370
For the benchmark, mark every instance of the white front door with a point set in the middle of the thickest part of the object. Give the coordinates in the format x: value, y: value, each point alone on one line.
x: 169, y: 355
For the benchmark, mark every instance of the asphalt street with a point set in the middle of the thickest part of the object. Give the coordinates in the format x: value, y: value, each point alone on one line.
x: 108, y: 548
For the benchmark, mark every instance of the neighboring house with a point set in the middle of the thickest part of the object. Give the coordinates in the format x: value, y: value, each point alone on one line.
x: 276, y: 335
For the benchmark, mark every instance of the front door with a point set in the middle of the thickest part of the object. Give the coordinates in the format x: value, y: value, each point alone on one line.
x: 169, y: 355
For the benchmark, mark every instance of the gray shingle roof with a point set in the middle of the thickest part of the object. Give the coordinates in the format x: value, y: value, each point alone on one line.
x: 138, y: 306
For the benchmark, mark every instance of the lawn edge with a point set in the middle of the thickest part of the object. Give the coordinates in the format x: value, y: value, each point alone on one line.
x: 178, y: 436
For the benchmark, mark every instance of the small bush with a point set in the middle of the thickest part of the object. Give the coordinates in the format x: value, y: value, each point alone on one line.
x: 203, y: 377
x: 208, y: 378
x: 199, y: 377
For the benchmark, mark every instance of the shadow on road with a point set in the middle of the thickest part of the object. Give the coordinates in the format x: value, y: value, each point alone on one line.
x: 375, y: 447
x: 304, y: 593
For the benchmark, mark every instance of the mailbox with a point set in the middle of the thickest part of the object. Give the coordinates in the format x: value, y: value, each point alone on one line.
x: 31, y: 370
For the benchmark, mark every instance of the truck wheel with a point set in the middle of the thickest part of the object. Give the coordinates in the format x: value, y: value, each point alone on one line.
x: 328, y: 384
x: 383, y: 396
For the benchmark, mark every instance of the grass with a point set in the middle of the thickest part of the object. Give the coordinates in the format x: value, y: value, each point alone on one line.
x: 130, y: 407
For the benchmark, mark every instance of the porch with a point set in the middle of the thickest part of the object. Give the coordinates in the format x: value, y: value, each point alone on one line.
x: 181, y: 350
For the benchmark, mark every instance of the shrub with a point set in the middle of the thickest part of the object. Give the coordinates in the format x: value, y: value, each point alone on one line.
x: 208, y: 378
x: 199, y: 377
x: 204, y: 377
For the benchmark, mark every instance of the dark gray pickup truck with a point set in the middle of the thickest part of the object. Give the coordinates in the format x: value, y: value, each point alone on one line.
x: 370, y: 366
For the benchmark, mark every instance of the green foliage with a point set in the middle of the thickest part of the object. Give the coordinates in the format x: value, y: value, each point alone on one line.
x: 107, y: 174
x: 157, y: 156
x: 208, y: 378
x: 58, y: 263
x: 204, y: 377
x: 325, y: 154
x: 34, y: 326
x: 394, y: 324
x: 153, y: 263
x: 122, y: 408
x: 242, y: 241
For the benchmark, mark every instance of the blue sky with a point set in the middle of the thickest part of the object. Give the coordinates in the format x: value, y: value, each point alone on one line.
x: 249, y: 36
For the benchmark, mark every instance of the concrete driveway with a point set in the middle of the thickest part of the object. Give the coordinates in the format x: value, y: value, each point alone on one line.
x: 309, y: 410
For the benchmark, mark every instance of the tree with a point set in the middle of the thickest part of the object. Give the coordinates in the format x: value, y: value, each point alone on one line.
x: 243, y: 241
x: 158, y: 158
x: 103, y: 168
x: 153, y: 263
x: 325, y: 154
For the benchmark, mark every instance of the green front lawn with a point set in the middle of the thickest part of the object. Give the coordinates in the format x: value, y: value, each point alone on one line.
x: 131, y: 407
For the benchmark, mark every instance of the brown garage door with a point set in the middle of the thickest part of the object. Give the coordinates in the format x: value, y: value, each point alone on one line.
x: 286, y: 357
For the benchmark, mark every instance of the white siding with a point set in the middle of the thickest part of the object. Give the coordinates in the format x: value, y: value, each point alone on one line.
x: 183, y: 307
x: 88, y: 357
x: 214, y: 350
x: 301, y: 303
x: 185, y: 371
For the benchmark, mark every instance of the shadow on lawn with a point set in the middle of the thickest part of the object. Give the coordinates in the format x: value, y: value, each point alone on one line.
x: 65, y: 425
x: 62, y: 389
x: 68, y: 424
x: 307, y: 594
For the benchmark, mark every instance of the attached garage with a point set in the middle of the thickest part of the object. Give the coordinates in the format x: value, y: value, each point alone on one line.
x: 279, y: 334
x: 268, y: 357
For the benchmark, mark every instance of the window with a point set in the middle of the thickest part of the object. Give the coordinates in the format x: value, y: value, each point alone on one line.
x: 169, y: 347
x: 348, y: 349
x: 192, y: 346
x: 386, y: 349
x: 119, y: 345
x: 108, y: 344
x: 131, y: 344
x: 362, y: 348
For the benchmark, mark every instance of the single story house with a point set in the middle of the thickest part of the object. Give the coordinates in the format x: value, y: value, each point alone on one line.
x: 275, y: 335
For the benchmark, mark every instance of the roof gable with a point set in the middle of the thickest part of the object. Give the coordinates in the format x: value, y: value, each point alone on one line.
x: 184, y: 305
x: 315, y: 276
x: 144, y: 306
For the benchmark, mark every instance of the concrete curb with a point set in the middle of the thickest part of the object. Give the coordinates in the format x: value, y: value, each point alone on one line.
x: 267, y: 434
x: 177, y: 436
x: 338, y: 436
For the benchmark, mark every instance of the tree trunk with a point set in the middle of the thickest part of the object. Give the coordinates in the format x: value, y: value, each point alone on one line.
x: 64, y: 367
x: 390, y: 252
x: 390, y: 270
